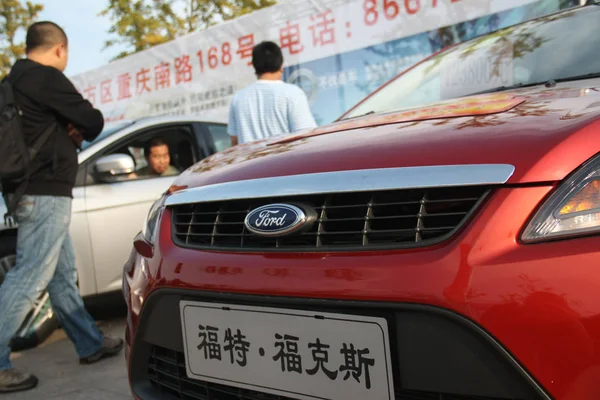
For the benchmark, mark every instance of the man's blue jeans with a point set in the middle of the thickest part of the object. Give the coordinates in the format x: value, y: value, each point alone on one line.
x: 45, y: 260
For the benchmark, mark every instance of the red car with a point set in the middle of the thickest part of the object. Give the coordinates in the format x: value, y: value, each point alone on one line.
x: 440, y: 241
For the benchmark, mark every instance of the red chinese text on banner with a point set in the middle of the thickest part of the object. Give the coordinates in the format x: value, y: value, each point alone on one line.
x: 289, y: 37
x: 162, y: 75
x: 323, y: 31
x: 183, y: 69
x: 90, y: 93
x: 124, y: 86
x: 106, y: 94
x: 245, y: 45
x: 142, y: 79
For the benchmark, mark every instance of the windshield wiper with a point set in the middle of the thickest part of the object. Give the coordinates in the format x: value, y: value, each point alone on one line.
x: 358, y: 116
x: 579, y: 77
x: 549, y: 84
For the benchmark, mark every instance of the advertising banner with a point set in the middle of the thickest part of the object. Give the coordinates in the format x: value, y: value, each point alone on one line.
x: 337, y: 51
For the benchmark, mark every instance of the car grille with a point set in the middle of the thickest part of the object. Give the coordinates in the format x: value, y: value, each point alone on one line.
x: 345, y: 221
x: 167, y: 375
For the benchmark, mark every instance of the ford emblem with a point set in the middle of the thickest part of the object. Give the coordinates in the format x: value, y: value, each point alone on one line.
x: 275, y: 220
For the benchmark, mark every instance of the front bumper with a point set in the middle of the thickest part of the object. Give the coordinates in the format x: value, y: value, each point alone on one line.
x: 439, y: 353
x: 487, y: 316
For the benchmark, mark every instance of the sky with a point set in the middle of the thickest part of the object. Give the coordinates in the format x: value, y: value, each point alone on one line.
x: 87, y: 32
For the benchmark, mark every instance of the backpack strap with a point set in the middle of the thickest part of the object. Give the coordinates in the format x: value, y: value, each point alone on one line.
x: 8, y: 96
x: 15, y: 76
x: 13, y: 203
x: 33, y: 151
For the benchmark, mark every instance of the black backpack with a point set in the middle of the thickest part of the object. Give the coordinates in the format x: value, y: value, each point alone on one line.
x: 15, y: 155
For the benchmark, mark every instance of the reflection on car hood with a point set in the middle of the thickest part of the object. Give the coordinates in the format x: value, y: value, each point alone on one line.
x: 469, y: 106
x: 544, y: 133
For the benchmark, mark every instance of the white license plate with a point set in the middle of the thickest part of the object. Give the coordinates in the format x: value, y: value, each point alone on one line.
x: 299, y: 354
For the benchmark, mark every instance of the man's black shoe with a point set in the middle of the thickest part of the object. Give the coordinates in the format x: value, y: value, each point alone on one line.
x: 12, y: 380
x: 111, y: 347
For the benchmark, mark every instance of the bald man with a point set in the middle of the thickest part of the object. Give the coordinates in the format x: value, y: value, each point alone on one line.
x: 45, y: 257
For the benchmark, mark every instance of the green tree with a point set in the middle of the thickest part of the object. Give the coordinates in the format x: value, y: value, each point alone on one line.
x: 134, y: 25
x: 15, y: 18
x: 141, y: 24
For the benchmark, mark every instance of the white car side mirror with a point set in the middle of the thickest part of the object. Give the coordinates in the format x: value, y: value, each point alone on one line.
x: 114, y: 165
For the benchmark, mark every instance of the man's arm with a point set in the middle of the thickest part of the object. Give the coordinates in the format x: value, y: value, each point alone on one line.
x: 232, y: 127
x: 59, y: 94
x: 299, y: 112
x: 75, y: 135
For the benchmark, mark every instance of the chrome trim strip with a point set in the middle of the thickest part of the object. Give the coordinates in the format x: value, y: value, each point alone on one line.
x: 348, y: 181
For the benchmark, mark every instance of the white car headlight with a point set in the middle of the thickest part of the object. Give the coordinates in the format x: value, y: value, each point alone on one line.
x: 150, y: 228
x: 573, y: 208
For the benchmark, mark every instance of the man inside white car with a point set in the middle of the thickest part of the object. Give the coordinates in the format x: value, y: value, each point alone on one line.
x: 158, y: 158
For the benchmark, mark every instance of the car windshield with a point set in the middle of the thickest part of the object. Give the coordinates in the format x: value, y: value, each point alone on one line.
x: 106, y: 132
x: 556, y: 47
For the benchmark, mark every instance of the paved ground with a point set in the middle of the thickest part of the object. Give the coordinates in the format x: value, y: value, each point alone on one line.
x: 56, y: 364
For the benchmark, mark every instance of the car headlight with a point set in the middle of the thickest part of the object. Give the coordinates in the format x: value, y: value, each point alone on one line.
x: 150, y: 228
x: 573, y: 209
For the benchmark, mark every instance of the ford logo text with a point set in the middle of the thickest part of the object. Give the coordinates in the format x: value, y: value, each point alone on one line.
x: 275, y: 219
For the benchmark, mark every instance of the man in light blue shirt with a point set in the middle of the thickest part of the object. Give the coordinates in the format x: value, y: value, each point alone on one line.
x: 269, y: 107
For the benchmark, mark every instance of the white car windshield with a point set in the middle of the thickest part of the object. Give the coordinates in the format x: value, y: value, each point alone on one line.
x: 557, y: 47
x: 106, y: 132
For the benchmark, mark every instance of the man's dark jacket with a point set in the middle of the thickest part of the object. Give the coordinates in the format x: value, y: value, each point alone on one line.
x: 44, y: 95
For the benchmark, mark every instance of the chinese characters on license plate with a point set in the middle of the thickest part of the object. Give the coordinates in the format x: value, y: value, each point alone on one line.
x: 304, y: 355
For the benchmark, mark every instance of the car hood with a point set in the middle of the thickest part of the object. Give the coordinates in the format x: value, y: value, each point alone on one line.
x: 543, y: 133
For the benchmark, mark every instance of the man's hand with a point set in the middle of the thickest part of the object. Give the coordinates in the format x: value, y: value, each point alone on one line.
x: 75, y: 135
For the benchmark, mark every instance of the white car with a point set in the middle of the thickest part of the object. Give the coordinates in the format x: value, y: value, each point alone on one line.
x: 110, y: 205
